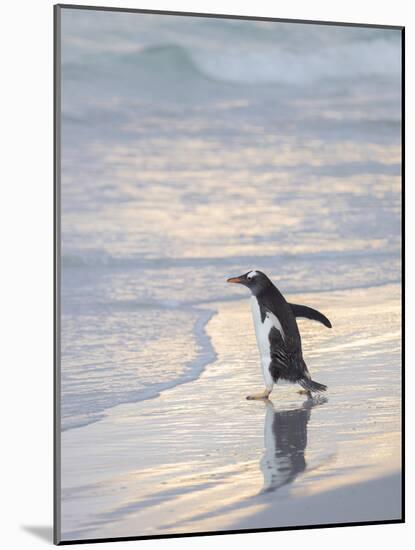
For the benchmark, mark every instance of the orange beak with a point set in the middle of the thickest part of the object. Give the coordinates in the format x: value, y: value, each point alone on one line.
x: 234, y: 280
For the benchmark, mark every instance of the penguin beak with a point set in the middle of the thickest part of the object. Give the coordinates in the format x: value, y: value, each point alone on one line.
x: 235, y: 280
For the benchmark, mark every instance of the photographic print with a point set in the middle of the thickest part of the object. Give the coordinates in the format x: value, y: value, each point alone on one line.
x: 228, y: 274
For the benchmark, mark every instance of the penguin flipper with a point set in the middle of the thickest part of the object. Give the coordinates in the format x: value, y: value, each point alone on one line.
x: 310, y: 313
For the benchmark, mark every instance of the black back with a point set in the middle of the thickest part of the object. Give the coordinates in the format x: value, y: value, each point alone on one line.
x: 271, y: 299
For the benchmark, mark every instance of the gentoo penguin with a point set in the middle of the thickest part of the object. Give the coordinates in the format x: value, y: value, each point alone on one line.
x: 277, y: 334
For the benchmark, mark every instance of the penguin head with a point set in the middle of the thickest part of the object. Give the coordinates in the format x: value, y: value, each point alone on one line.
x: 256, y: 281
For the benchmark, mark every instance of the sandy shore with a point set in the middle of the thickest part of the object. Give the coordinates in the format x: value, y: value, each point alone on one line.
x: 378, y: 499
x: 201, y: 457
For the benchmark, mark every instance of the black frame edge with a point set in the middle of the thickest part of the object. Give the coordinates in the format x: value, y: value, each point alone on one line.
x: 233, y: 532
x: 229, y: 16
x: 56, y: 273
x: 403, y: 283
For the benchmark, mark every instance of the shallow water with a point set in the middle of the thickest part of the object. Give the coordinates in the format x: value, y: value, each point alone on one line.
x: 201, y: 457
x: 194, y: 150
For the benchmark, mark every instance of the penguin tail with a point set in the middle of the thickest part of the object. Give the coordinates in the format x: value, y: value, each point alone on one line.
x: 310, y: 385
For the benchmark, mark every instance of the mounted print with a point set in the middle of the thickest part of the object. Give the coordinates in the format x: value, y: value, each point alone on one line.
x: 228, y: 223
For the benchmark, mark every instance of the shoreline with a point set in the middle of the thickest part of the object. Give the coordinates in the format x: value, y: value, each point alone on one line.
x: 206, y: 310
x: 196, y: 457
x: 206, y: 355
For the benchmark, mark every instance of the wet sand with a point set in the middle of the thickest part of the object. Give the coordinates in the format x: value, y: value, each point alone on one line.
x: 200, y: 457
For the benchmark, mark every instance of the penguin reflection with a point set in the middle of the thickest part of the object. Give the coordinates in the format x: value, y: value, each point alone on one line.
x: 285, y: 435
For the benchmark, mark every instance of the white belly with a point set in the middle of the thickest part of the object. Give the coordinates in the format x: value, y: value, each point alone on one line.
x: 262, y: 330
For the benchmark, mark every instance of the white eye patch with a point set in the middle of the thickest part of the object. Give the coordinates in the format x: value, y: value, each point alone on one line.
x: 251, y: 275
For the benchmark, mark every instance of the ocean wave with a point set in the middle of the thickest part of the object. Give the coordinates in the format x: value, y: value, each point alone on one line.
x: 270, y: 64
x: 77, y: 413
x: 275, y: 65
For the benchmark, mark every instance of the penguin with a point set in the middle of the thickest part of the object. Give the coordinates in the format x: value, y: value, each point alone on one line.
x: 277, y: 335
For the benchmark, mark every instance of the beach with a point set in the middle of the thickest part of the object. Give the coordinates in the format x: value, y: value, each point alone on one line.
x: 194, y: 150
x: 200, y: 457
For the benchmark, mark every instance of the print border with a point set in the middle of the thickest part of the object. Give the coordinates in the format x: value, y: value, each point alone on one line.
x: 57, y: 272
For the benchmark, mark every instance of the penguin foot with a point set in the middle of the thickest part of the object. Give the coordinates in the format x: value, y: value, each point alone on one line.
x: 305, y: 392
x: 263, y: 395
